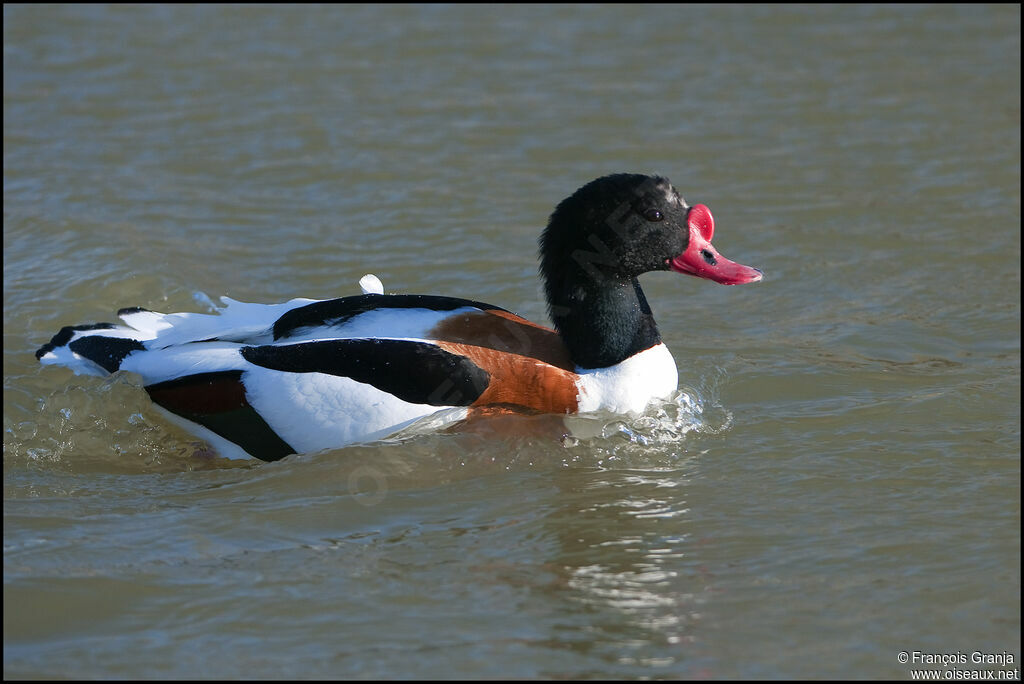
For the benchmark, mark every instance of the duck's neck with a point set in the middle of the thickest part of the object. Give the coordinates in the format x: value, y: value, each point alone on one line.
x: 602, y: 322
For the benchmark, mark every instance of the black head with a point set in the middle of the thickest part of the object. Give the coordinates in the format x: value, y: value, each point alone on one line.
x: 600, y: 239
x: 614, y: 228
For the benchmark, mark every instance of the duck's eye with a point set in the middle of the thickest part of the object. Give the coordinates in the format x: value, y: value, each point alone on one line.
x: 652, y: 215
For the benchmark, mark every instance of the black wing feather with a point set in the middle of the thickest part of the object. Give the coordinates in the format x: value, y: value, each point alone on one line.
x: 416, y: 372
x: 337, y: 311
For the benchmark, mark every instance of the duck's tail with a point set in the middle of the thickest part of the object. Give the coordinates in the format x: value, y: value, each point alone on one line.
x: 100, y: 348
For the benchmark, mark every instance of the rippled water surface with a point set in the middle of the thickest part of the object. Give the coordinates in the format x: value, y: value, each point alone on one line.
x: 837, y: 481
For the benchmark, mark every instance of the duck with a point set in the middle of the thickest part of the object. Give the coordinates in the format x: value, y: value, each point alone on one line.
x: 266, y: 381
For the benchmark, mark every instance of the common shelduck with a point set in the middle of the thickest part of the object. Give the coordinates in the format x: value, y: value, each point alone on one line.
x: 272, y: 380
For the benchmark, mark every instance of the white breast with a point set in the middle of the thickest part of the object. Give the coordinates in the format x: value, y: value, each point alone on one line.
x: 629, y: 386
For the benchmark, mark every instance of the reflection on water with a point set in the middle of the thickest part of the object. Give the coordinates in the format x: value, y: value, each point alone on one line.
x: 631, y: 564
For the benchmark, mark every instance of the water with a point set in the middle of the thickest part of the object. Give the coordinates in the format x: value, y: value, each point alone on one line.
x: 837, y: 481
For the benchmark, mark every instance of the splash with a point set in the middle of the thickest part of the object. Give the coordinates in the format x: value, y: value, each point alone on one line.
x: 665, y: 429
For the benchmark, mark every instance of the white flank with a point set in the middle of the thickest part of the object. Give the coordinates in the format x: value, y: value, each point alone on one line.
x: 629, y: 386
x: 315, y: 411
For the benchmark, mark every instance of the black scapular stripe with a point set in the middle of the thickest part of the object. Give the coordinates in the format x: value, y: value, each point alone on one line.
x: 416, y: 372
x: 217, y: 402
x: 337, y: 311
x: 108, y: 352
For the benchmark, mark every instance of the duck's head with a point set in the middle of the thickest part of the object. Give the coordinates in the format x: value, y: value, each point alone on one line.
x: 620, y: 226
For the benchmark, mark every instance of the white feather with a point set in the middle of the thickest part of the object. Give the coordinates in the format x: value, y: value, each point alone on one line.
x: 370, y: 284
x: 62, y: 356
x: 148, y: 323
x: 237, y: 321
x: 161, y: 365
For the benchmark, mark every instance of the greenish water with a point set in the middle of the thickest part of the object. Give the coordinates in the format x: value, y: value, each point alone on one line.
x: 838, y: 481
